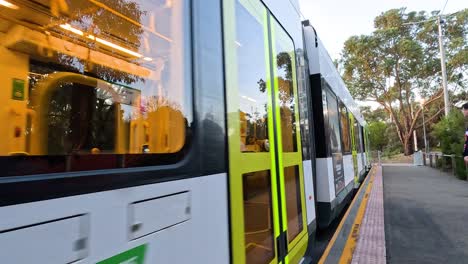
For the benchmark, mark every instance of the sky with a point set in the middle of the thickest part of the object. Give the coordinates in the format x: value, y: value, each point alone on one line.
x: 337, y: 20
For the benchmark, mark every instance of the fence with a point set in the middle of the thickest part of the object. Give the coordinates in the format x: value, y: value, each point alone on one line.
x: 449, y: 163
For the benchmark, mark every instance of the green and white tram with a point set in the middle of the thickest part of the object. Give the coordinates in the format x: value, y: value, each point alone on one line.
x: 159, y: 131
x: 338, y: 131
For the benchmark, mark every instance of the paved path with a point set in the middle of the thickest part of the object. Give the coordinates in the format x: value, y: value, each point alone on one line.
x: 426, y: 216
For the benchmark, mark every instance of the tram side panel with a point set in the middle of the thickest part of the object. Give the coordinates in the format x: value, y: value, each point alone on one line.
x: 334, y: 187
x: 307, y: 140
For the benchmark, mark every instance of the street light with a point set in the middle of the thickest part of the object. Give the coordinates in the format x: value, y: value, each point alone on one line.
x: 426, y: 146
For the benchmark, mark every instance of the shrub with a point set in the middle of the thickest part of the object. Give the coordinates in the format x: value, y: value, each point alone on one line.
x: 449, y: 131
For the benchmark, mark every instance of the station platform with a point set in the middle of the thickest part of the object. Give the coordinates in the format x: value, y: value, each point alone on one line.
x: 360, y: 236
x: 403, y: 214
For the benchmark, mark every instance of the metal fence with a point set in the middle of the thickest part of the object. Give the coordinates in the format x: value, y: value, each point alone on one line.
x: 448, y: 163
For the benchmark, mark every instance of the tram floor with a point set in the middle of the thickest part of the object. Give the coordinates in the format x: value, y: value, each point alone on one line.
x: 426, y: 216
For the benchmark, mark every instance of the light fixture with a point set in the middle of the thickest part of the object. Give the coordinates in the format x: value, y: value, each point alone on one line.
x: 8, y: 4
x: 103, y: 41
x: 115, y: 46
x: 248, y: 98
x: 71, y: 29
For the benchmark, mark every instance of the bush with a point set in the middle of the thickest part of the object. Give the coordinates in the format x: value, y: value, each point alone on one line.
x: 460, y: 169
x: 449, y: 131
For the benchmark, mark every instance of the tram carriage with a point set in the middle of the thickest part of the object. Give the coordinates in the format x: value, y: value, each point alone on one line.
x: 135, y: 130
x: 339, y: 130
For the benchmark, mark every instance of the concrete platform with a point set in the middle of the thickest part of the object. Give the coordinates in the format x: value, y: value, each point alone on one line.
x: 404, y: 214
x: 426, y: 216
x: 345, y: 241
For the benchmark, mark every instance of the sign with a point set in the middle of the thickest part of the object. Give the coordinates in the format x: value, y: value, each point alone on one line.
x: 133, y: 256
x: 17, y: 90
x: 337, y: 159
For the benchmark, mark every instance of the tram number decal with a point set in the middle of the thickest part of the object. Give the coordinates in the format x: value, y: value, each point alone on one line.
x: 133, y: 256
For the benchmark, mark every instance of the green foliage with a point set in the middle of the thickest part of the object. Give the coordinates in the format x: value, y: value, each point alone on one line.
x: 449, y: 131
x: 378, y: 135
x: 373, y: 115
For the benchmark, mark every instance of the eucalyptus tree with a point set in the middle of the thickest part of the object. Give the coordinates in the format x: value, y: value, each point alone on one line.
x: 399, y: 62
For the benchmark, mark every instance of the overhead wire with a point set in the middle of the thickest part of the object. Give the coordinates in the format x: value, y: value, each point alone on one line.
x: 443, y: 9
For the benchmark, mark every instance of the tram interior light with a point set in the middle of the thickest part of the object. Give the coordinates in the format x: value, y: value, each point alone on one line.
x: 68, y: 27
x: 8, y: 4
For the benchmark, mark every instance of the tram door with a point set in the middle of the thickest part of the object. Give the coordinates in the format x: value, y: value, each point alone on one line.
x: 268, y: 221
x: 354, y: 148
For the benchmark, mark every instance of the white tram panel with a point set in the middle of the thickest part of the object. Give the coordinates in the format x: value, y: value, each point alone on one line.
x: 360, y: 162
x: 309, y: 191
x: 60, y: 241
x: 104, y: 223
x: 348, y: 168
x: 325, y: 180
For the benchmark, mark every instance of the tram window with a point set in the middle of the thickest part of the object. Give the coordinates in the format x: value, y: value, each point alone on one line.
x: 293, y: 201
x: 357, y: 133
x: 333, y: 122
x: 345, y: 131
x: 98, y: 82
x: 363, y: 140
x: 252, y: 77
x: 258, y: 218
x: 284, y: 79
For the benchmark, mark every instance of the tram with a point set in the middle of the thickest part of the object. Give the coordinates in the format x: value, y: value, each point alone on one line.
x: 170, y: 131
x: 339, y: 133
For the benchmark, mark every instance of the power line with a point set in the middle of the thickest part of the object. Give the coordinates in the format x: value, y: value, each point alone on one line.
x: 432, y: 19
x: 443, y: 9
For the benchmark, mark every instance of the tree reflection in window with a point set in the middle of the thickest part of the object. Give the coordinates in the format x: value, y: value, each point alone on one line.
x: 135, y: 47
x: 253, y: 96
x: 284, y: 75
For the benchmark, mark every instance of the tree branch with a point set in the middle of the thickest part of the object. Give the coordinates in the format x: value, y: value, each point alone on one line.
x: 433, y: 99
x: 430, y: 119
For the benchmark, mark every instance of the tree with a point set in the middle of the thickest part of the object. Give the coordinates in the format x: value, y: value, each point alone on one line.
x: 378, y: 137
x: 374, y: 115
x: 398, y: 62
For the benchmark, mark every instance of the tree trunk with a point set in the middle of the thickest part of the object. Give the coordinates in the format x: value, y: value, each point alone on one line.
x: 408, y: 145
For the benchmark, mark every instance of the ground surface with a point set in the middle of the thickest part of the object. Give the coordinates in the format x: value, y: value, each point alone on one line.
x: 426, y: 216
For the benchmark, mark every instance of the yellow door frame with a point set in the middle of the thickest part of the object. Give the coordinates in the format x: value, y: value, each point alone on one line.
x: 241, y: 163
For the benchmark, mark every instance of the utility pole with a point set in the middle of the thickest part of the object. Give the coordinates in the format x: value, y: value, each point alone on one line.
x: 442, y: 63
x: 426, y: 146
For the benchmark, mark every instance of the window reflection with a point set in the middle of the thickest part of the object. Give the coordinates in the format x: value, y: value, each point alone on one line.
x: 333, y: 122
x: 258, y: 218
x: 100, y: 77
x: 253, y: 95
x: 284, y: 78
x: 345, y: 132
x: 293, y: 201
x: 357, y: 132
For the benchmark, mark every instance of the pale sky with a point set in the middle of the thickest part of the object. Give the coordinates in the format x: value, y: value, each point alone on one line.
x: 337, y: 20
